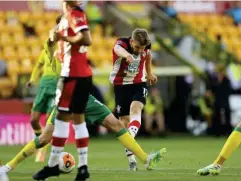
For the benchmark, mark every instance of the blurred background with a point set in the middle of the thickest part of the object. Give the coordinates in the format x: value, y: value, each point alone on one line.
x: 196, y: 55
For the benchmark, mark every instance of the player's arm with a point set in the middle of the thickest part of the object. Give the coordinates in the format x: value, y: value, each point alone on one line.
x: 121, y: 52
x: 79, y: 25
x: 81, y: 38
x: 37, y: 70
x: 49, y: 47
x: 148, y: 65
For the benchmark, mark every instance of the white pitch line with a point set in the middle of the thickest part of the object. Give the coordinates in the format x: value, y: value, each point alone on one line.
x: 142, y: 171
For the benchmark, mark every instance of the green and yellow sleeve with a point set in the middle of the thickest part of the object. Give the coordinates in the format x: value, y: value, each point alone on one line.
x: 38, y: 68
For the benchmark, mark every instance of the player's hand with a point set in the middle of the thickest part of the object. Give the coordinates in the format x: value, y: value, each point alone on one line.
x: 29, y: 84
x: 53, y: 35
x: 129, y: 59
x: 58, y: 36
x: 152, y: 79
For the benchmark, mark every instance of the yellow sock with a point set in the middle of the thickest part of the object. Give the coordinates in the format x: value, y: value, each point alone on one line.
x: 130, y: 143
x: 27, y: 151
x: 231, y: 144
x: 38, y: 132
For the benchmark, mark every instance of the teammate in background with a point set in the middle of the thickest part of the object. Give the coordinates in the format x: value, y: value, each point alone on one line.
x: 74, y: 86
x: 131, y: 58
x: 229, y: 147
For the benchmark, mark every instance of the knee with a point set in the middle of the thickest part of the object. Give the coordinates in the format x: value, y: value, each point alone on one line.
x: 44, y: 139
x: 118, y: 126
x: 239, y: 125
x: 34, y: 121
x: 124, y: 121
x: 63, y: 116
x: 114, y: 124
x: 135, y: 109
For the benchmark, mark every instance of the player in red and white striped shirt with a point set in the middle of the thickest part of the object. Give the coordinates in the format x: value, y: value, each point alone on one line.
x: 131, y: 69
x: 73, y: 36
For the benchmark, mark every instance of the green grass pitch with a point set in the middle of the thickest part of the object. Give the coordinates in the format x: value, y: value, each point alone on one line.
x: 107, y: 161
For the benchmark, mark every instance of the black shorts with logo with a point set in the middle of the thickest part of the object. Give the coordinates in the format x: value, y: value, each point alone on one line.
x: 125, y: 94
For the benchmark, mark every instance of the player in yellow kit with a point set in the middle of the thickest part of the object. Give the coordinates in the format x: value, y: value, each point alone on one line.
x: 44, y: 101
x: 232, y: 143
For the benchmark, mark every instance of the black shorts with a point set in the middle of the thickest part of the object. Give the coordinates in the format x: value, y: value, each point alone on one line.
x: 73, y: 94
x: 125, y: 94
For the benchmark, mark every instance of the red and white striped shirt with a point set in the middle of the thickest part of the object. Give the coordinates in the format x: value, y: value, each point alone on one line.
x: 124, y: 73
x: 73, y: 57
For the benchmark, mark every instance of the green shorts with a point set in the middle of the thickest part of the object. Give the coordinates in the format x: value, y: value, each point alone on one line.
x: 44, y: 101
x: 95, y: 112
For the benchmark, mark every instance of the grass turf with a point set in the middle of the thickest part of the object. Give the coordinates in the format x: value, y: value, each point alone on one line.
x: 107, y: 161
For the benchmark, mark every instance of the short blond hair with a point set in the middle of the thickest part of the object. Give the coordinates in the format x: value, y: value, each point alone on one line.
x: 141, y: 36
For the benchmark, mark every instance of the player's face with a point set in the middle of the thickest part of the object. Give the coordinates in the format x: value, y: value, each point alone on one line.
x: 67, y: 4
x: 136, y: 47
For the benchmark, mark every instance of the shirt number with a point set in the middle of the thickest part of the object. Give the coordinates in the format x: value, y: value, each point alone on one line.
x: 145, y: 92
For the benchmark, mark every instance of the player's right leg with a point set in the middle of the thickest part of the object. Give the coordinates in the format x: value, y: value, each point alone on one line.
x: 229, y: 147
x: 133, y: 127
x: 50, y: 100
x: 79, y: 104
x: 39, y: 107
x: 34, y: 120
x: 112, y: 123
x: 137, y: 104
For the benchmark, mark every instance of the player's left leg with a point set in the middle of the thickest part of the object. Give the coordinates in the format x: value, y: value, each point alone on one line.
x: 229, y: 147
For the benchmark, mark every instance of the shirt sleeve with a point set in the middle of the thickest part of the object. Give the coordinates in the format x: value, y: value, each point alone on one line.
x: 49, y: 50
x: 121, y: 43
x: 148, y: 49
x: 79, y: 21
x: 38, y: 68
x: 41, y: 57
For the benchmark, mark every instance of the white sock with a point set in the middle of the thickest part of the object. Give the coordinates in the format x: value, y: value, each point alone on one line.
x: 130, y: 156
x: 60, y: 136
x: 135, y: 124
x: 133, y: 127
x: 5, y: 169
x: 54, y: 155
x: 82, y: 140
